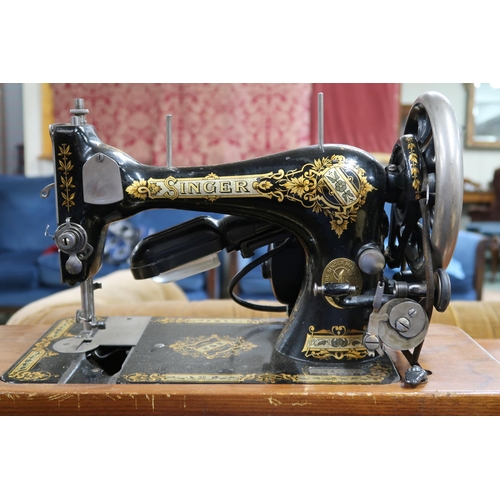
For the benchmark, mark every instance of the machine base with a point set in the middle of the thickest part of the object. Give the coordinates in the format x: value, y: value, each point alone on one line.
x: 142, y: 350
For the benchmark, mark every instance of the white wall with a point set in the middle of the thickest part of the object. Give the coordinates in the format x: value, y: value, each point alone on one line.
x: 32, y: 118
x: 478, y: 164
x: 34, y: 165
x: 13, y: 122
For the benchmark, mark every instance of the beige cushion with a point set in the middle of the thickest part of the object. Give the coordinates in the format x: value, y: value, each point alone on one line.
x: 118, y: 288
x: 122, y: 295
x: 477, y: 318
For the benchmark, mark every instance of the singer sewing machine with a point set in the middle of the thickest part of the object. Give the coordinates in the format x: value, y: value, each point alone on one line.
x: 321, y: 212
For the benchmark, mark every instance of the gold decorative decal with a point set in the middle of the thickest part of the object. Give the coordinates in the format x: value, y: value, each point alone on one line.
x: 211, y: 187
x: 212, y: 347
x: 66, y: 179
x: 413, y: 158
x: 22, y: 370
x: 336, y: 343
x: 334, y: 186
x: 374, y: 375
x: 342, y: 271
x: 206, y: 321
x: 221, y: 378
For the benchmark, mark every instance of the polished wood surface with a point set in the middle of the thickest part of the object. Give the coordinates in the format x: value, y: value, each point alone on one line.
x: 491, y: 345
x: 465, y: 380
x: 479, y: 197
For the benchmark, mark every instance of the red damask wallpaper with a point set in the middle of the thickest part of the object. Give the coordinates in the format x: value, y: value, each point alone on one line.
x: 211, y: 123
x: 220, y: 123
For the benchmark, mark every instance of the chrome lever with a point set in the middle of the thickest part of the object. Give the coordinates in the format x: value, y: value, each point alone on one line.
x: 45, y: 192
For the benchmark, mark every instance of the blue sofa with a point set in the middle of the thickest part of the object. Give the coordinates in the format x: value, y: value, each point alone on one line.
x: 24, y: 216
x: 29, y: 263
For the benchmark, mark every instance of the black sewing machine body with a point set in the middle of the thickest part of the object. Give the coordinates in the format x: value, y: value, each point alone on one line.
x: 328, y: 200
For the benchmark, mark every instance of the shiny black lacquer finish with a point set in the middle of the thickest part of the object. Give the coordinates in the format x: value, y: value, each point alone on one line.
x: 331, y: 199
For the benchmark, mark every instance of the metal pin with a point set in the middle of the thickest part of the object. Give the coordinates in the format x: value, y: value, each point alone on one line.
x: 169, y: 141
x: 320, y: 122
x: 79, y: 113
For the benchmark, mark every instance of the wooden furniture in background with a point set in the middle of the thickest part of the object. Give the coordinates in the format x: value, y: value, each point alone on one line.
x: 489, y: 212
x: 474, y: 195
x: 479, y: 197
x: 491, y: 230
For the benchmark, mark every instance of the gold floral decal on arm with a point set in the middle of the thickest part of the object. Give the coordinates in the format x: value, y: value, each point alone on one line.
x: 66, y: 185
x: 334, y: 186
x: 143, y: 189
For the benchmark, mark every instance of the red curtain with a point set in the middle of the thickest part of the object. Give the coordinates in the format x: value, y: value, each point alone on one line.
x: 365, y: 115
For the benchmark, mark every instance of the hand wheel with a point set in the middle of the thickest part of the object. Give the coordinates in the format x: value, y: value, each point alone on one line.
x: 429, y: 156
